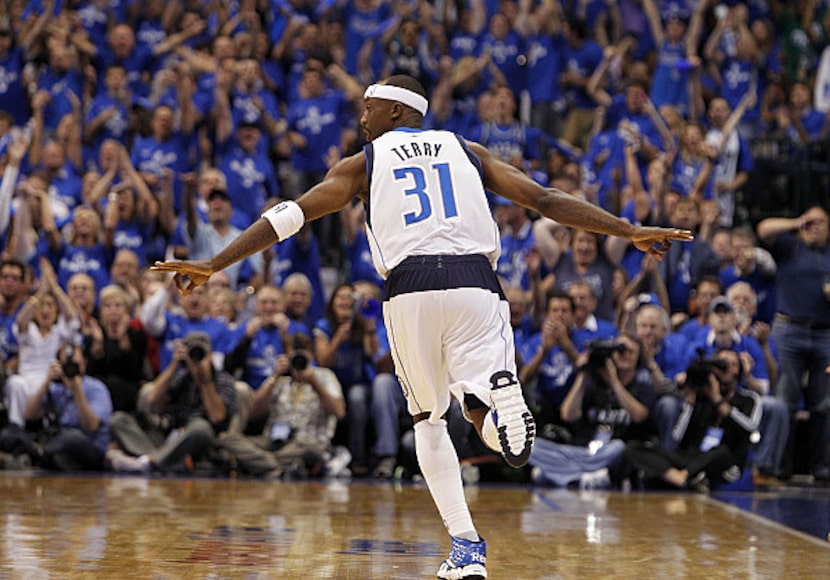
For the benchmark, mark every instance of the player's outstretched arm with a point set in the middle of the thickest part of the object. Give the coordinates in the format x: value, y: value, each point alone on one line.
x: 342, y: 183
x: 507, y: 181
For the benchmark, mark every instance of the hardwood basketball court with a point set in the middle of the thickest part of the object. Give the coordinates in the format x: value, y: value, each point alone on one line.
x: 135, y: 527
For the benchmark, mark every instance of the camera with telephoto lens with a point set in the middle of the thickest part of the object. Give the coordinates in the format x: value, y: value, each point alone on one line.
x: 601, y: 350
x: 697, y: 374
x: 297, y: 361
x: 196, y: 353
x: 70, y: 368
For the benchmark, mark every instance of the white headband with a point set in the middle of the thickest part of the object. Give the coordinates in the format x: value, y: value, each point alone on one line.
x: 400, y: 94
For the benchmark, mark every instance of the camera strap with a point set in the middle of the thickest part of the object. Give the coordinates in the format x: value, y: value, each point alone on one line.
x: 713, y: 437
x: 50, y: 416
x: 602, y: 437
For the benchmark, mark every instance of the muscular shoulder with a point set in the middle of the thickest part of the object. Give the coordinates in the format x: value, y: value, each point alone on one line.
x: 483, y: 153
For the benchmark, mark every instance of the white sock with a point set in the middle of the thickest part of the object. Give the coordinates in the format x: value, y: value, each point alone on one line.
x: 146, y: 464
x: 442, y: 473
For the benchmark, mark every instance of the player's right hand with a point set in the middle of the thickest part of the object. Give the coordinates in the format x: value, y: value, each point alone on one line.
x: 188, y: 273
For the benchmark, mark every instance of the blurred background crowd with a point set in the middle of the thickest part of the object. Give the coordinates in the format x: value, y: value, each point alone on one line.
x: 138, y: 131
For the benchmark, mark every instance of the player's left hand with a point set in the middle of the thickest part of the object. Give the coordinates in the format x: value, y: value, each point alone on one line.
x: 656, y: 241
x: 188, y: 273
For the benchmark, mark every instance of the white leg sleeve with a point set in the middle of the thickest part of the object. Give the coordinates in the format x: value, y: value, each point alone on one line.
x: 442, y: 473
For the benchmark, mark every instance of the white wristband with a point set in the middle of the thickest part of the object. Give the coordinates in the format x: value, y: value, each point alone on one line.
x: 286, y: 218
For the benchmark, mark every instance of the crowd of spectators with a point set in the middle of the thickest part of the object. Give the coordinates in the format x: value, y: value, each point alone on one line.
x: 138, y: 131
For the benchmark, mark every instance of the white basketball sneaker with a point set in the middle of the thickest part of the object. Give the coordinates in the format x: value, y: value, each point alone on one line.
x: 511, y: 419
x: 467, y: 561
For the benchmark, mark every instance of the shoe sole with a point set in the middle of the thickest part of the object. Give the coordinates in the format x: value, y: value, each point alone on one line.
x: 516, y: 427
x: 470, y: 572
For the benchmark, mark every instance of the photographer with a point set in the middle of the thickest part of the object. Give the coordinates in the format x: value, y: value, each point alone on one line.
x: 74, y: 409
x: 607, y: 406
x: 186, y: 406
x: 301, y: 404
x: 712, y: 432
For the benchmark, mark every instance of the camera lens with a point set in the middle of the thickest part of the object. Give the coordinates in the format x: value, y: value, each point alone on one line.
x: 71, y: 369
x: 196, y: 353
x: 299, y: 361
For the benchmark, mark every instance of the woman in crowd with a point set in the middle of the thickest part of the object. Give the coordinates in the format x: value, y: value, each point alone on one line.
x: 116, y: 350
x: 47, y: 320
x: 345, y: 341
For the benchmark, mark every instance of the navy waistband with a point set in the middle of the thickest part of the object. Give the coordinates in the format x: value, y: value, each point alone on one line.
x: 441, y: 272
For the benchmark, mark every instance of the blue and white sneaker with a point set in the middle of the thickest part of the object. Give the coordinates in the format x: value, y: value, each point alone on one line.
x: 467, y: 560
x: 513, y: 421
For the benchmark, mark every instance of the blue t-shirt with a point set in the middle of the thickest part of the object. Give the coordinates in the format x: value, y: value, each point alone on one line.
x: 802, y: 271
x: 222, y: 339
x: 150, y: 33
x: 320, y: 121
x: 594, y: 329
x: 670, y: 84
x: 512, y: 263
x: 266, y: 346
x: 739, y: 77
x: 151, y: 156
x: 360, y: 27
x: 674, y: 355
x: 361, y: 266
x: 555, y: 373
x: 293, y: 256
x: 66, y: 186
x: 67, y: 412
x: 507, y: 142
x: 14, y: 98
x: 522, y: 333
x: 582, y: 60
x: 505, y: 53
x: 244, y: 108
x: 8, y: 343
x: 684, y: 176
x: 603, y: 159
x: 59, y: 85
x: 135, y: 236
x: 93, y: 260
x: 463, y: 44
x: 251, y: 180
x: 694, y: 331
x: 141, y: 59
x: 95, y: 18
x: 350, y: 363
x: 113, y: 128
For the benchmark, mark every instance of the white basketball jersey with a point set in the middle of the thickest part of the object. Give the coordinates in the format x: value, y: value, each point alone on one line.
x: 425, y: 198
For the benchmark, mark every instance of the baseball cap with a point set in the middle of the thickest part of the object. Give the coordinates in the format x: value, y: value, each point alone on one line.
x: 218, y: 192
x: 197, y: 339
x: 252, y: 123
x: 722, y: 303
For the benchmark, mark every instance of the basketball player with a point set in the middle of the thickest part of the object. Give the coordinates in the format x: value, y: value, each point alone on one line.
x: 433, y: 238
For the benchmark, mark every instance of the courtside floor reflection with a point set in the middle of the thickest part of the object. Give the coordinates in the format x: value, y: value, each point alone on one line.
x: 135, y: 527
